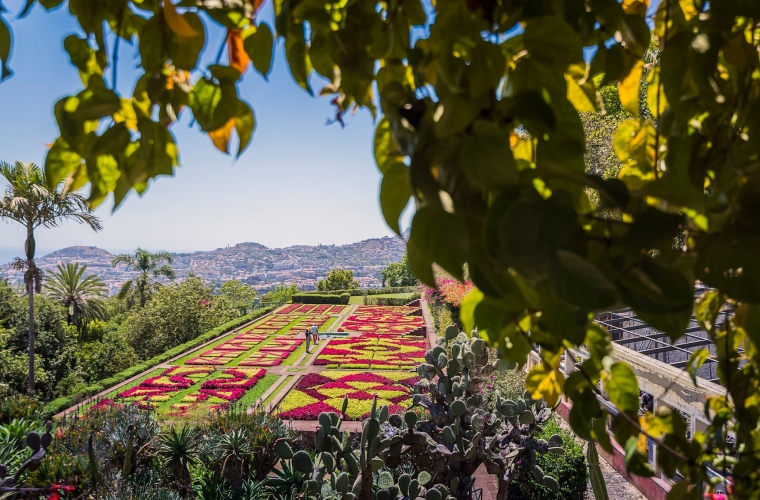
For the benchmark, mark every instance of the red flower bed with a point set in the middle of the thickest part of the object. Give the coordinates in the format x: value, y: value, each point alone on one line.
x: 289, y: 309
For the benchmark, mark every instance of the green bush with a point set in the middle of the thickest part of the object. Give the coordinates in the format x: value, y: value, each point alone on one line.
x: 368, y: 291
x: 570, y: 470
x: 64, y: 402
x: 391, y: 301
x: 313, y: 298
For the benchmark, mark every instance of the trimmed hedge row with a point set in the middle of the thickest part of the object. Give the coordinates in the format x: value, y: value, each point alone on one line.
x: 313, y: 298
x: 367, y: 291
x: 58, y: 405
x: 391, y: 301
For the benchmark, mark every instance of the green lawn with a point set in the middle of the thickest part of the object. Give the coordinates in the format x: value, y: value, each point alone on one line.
x: 359, y: 299
x: 276, y: 391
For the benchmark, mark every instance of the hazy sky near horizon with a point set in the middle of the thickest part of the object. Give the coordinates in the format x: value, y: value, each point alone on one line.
x: 300, y: 181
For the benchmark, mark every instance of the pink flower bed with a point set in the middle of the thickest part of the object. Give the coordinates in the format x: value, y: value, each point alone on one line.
x: 305, y: 308
x: 336, y: 309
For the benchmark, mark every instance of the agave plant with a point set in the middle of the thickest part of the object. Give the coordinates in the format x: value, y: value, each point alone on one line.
x: 232, y: 453
x: 179, y: 449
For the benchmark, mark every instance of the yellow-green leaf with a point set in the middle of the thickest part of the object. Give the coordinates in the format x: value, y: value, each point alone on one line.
x: 467, y: 308
x: 628, y: 88
x: 543, y: 381
x: 623, y: 388
x: 621, y: 142
x: 656, y: 99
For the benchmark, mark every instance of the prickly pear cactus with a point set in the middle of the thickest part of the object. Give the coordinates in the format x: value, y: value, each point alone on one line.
x: 463, y: 432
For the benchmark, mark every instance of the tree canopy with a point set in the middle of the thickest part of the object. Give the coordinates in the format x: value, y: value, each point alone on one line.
x: 480, y: 127
x: 399, y: 274
x: 338, y: 279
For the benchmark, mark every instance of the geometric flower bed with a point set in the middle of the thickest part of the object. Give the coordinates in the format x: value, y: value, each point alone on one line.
x: 373, y: 351
x: 323, y: 392
x: 393, y: 323
x: 336, y: 310
x: 230, y: 385
x: 162, y: 387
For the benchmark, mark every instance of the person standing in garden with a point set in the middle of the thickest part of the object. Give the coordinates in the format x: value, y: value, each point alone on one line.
x: 307, y: 333
x: 315, y: 333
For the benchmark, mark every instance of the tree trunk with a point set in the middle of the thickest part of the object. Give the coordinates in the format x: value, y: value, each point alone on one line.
x: 30, y: 291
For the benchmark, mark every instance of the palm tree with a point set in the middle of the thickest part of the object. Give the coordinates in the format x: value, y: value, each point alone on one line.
x: 28, y: 201
x: 83, y: 298
x: 148, y: 265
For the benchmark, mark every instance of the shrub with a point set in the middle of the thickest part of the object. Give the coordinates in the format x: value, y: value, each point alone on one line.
x: 17, y: 406
x: 570, y: 470
x: 64, y: 402
x: 391, y: 301
x: 309, y: 298
x: 368, y: 291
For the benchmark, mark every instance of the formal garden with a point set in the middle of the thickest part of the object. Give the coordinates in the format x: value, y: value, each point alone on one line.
x: 234, y: 418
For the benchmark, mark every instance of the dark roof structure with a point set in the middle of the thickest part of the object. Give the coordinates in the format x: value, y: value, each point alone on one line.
x: 628, y: 330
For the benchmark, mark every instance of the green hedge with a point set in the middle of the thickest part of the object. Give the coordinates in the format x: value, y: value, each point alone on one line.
x: 391, y: 301
x: 313, y: 298
x: 367, y: 291
x: 64, y: 402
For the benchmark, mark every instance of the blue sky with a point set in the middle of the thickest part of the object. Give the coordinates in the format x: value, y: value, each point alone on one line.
x: 299, y: 182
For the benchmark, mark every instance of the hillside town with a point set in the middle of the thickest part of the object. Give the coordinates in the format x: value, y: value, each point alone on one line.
x: 252, y: 263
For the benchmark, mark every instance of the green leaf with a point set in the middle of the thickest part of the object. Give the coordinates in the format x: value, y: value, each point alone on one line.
x: 387, y: 150
x: 83, y: 57
x: 259, y: 44
x: 485, y: 157
x: 441, y: 237
x: 60, y: 162
x: 415, y: 11
x: 467, y: 308
x: 420, y: 265
x: 245, y: 124
x: 152, y: 45
x: 728, y: 261
x: 551, y: 40
x: 623, y: 388
x: 103, y: 174
x: 185, y: 51
x: 579, y: 282
x: 598, y: 344
x: 113, y: 141
x: 653, y: 228
x: 298, y: 57
x: 696, y: 360
x: 5, y: 49
x: 394, y: 194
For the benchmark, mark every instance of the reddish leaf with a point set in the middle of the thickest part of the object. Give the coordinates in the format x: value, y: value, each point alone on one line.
x: 238, y: 58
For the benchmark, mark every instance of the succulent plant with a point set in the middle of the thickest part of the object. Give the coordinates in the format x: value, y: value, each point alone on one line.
x: 38, y: 445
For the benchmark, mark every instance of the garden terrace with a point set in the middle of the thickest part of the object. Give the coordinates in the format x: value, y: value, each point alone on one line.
x: 266, y: 362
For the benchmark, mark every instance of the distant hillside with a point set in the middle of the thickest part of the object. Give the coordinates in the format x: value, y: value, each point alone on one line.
x: 251, y: 262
